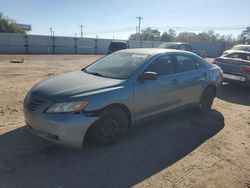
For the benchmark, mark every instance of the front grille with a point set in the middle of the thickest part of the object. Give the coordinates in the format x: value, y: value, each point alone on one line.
x: 32, y: 104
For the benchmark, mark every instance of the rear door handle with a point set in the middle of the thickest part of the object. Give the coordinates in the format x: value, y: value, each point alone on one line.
x: 174, y: 81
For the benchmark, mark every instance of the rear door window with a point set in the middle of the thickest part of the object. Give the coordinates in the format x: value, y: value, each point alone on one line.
x: 184, y: 63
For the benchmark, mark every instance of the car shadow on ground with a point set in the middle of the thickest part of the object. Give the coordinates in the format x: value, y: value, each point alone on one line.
x: 28, y: 161
x: 234, y: 93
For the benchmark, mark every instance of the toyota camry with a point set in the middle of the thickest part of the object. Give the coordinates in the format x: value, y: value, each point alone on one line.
x: 103, y: 100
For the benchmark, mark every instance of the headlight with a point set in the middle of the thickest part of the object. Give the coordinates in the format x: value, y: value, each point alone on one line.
x: 67, y: 107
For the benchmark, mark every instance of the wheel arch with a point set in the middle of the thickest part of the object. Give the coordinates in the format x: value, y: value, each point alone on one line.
x: 123, y: 107
x: 214, y: 88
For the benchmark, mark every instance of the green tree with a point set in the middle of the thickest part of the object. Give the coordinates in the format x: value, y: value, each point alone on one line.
x: 227, y: 38
x: 186, y: 37
x: 8, y: 25
x: 165, y: 37
x: 168, y: 36
x: 172, y: 34
x: 245, y: 35
x: 148, y: 34
x: 135, y: 36
x: 203, y: 36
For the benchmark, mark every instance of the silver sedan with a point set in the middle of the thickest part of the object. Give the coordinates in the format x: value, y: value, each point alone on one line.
x: 106, y: 98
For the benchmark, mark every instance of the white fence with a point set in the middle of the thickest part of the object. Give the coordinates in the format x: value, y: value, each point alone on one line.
x: 40, y: 44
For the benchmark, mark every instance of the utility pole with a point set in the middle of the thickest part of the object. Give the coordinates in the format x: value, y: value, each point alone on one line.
x: 139, y: 18
x: 51, y: 31
x: 81, y: 26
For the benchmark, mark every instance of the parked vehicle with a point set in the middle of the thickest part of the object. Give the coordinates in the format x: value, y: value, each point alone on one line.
x: 181, y: 46
x: 104, y: 99
x: 235, y: 66
x: 117, y: 45
x: 242, y: 47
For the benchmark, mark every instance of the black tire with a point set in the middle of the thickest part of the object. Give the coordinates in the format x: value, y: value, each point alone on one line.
x: 110, y: 128
x: 207, y: 99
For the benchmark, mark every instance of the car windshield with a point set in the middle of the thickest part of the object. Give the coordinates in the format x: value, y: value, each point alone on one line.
x: 244, y: 48
x: 119, y: 65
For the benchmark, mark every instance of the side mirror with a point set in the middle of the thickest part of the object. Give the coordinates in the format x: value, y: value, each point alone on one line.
x: 148, y: 76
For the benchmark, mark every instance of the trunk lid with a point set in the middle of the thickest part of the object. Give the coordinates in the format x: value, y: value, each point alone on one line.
x: 231, y: 65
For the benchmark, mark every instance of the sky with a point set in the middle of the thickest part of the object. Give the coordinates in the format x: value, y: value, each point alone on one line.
x: 117, y: 18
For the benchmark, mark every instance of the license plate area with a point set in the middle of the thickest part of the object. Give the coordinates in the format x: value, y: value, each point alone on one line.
x: 234, y: 77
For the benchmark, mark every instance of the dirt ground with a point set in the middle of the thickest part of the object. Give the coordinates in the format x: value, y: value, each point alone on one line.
x: 184, y: 149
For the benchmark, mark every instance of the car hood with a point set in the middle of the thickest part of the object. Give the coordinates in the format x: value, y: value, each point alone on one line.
x: 71, y: 84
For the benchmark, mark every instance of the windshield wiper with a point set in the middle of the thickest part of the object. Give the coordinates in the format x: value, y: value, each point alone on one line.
x: 99, y: 74
x: 95, y: 73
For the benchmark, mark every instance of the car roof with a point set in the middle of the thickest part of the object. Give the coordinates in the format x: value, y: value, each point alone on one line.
x: 238, y: 51
x: 152, y: 51
x: 245, y: 45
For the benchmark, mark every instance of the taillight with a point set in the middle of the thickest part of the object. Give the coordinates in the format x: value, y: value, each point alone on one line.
x: 245, y: 68
x: 215, y: 62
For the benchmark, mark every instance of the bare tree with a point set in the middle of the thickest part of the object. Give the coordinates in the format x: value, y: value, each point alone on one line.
x: 8, y: 25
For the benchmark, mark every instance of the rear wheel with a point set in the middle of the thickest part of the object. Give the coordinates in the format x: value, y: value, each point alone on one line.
x: 207, y: 99
x: 110, y: 128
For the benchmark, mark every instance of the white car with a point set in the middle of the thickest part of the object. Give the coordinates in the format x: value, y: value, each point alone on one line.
x: 242, y: 47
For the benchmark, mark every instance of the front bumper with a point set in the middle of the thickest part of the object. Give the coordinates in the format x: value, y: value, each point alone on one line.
x: 64, y: 129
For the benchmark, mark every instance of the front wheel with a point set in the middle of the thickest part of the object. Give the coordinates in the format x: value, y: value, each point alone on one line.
x: 110, y: 128
x: 207, y: 99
